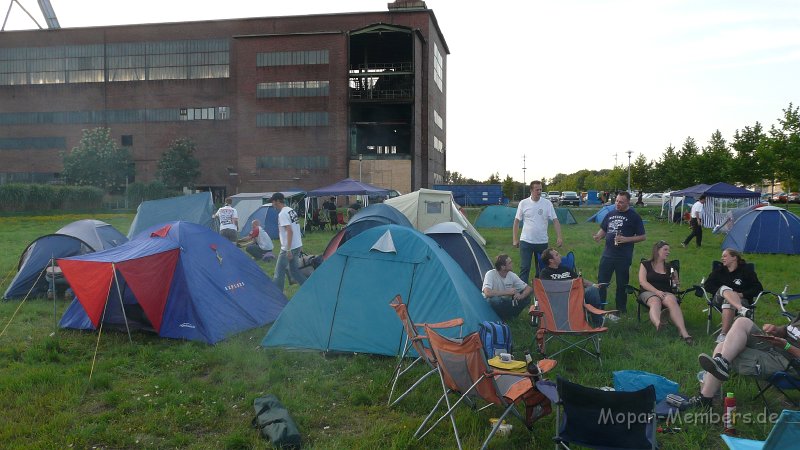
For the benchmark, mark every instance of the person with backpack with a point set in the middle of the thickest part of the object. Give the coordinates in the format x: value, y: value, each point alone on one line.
x: 505, y: 292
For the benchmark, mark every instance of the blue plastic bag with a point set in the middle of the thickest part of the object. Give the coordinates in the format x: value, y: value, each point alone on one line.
x: 634, y: 380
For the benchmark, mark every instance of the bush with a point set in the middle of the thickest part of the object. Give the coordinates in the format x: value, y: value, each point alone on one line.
x: 139, y: 192
x: 38, y: 197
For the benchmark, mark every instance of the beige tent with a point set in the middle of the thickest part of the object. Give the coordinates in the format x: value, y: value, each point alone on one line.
x: 426, y: 207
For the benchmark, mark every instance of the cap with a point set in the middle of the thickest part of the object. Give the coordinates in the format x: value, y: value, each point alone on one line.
x: 277, y: 196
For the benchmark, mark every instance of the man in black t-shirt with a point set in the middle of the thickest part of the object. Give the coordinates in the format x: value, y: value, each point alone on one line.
x: 553, y: 270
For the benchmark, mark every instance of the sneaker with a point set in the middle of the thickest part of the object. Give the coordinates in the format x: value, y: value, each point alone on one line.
x: 717, y: 366
x: 683, y: 244
x: 720, y: 338
x: 613, y: 318
x: 698, y: 401
x: 700, y: 376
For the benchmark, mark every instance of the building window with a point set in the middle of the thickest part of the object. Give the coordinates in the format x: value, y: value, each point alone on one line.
x: 438, y: 145
x: 299, y: 58
x: 292, y: 89
x: 115, y: 116
x: 33, y: 143
x: 438, y: 68
x: 292, y: 162
x: 437, y: 119
x: 292, y: 119
x: 127, y: 140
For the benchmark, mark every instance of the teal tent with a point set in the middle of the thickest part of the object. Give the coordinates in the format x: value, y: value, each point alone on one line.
x: 195, y: 208
x: 496, y: 216
x: 345, y: 305
x: 565, y: 216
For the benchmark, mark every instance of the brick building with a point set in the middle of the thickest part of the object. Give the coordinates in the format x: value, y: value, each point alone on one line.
x: 272, y: 103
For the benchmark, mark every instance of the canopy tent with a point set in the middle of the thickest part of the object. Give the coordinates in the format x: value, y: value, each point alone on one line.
x: 767, y: 229
x: 348, y: 186
x: 720, y: 198
x: 366, y: 218
x: 76, y: 238
x: 195, y: 208
x: 464, y: 250
x: 266, y: 215
x: 345, y: 305
x: 427, y: 207
x: 181, y: 280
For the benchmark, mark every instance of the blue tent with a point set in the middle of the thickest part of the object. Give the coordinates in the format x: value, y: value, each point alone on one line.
x: 345, y: 305
x: 601, y: 214
x: 196, y: 208
x: 372, y: 216
x: 767, y: 229
x: 496, y: 216
x: 181, y: 280
x: 267, y: 215
x: 77, y: 238
x: 463, y: 248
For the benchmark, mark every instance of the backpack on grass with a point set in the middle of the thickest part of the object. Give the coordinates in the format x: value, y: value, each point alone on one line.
x: 496, y: 338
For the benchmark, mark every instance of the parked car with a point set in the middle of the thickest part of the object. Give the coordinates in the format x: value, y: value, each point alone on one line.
x: 793, y: 197
x: 779, y: 197
x: 553, y: 196
x: 569, y: 198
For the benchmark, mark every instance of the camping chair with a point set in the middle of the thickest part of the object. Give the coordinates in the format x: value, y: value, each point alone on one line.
x: 700, y: 291
x: 591, y: 416
x: 785, y: 434
x: 562, y: 314
x: 636, y: 291
x: 463, y: 370
x: 416, y: 341
x: 782, y: 381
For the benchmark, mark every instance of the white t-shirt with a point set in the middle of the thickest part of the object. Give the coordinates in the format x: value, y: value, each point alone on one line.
x: 263, y: 240
x: 493, y: 281
x: 534, y: 218
x: 697, y: 211
x: 288, y: 217
x: 226, y: 215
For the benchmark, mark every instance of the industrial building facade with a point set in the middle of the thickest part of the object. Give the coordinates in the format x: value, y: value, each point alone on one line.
x: 271, y: 103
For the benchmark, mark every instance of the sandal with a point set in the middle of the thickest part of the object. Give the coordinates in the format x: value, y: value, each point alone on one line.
x: 688, y: 340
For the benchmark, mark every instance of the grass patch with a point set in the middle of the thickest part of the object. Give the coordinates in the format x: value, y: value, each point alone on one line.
x: 158, y: 393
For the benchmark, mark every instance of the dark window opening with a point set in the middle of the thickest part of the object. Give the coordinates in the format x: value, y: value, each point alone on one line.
x: 127, y: 140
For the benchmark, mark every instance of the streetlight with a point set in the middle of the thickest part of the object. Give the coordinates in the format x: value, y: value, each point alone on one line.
x: 523, y: 177
x: 629, y: 170
x: 360, y: 159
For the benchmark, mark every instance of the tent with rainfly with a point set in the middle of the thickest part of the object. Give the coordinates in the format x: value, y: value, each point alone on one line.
x: 76, y: 238
x: 463, y: 248
x: 767, y: 229
x: 195, y: 208
x: 345, y: 305
x: 601, y: 214
x: 181, y: 280
x: 266, y: 215
x: 427, y: 207
x: 372, y: 216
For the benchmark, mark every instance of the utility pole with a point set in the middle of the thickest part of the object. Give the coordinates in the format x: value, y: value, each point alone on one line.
x: 629, y: 170
x: 523, y: 177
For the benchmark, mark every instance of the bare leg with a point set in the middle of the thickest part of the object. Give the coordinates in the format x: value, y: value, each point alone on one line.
x: 654, y: 303
x: 730, y: 349
x: 675, y: 314
x: 728, y: 314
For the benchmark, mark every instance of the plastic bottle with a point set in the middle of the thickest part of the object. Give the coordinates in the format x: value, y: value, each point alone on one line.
x: 531, y: 365
x: 729, y: 417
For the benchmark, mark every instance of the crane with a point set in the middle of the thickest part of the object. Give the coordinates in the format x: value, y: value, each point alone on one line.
x: 47, y: 11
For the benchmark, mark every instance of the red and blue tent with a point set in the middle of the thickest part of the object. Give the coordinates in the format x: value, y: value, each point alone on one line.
x: 181, y: 280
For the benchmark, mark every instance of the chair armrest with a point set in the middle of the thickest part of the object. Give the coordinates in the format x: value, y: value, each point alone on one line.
x: 544, y: 365
x: 533, y: 311
x: 631, y: 289
x: 446, y: 324
x: 603, y: 312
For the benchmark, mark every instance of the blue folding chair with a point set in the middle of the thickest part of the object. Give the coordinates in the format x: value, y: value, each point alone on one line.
x: 784, y: 435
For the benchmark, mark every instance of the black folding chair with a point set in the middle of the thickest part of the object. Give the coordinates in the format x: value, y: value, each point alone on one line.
x: 636, y: 291
x: 709, y: 297
x: 599, y: 419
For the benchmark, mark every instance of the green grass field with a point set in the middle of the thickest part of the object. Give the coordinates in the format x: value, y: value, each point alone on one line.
x: 161, y: 393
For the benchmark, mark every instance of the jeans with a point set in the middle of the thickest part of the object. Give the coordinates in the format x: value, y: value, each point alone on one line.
x: 697, y: 232
x: 528, y: 251
x: 591, y: 296
x: 292, y: 264
x: 505, y: 308
x: 621, y: 267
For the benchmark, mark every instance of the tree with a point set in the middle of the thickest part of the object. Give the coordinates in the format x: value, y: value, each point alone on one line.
x: 746, y: 166
x: 509, y: 187
x: 667, y: 172
x: 494, y: 178
x: 98, y: 161
x: 178, y: 166
x: 716, y: 160
x: 689, y: 163
x: 784, y: 145
x: 641, y: 170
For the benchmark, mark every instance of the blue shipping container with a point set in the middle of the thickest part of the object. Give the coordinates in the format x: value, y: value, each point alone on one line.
x: 474, y: 194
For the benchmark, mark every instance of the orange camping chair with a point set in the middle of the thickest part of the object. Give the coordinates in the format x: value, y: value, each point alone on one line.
x: 562, y: 314
x: 463, y: 370
x: 418, y: 342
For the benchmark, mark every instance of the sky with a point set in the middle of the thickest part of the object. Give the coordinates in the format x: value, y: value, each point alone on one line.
x: 567, y: 84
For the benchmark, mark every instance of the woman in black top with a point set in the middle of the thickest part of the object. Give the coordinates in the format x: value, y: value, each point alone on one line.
x: 658, y: 280
x: 735, y: 285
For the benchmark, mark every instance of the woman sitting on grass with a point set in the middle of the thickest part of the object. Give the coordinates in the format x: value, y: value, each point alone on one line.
x: 656, y: 280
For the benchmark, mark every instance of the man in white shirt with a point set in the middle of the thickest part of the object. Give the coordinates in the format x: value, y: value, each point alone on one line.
x: 258, y: 242
x: 291, y: 242
x: 228, y: 220
x: 505, y: 292
x: 696, y: 222
x: 535, y: 213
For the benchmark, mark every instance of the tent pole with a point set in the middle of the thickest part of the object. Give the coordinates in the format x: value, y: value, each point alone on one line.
x: 121, y: 304
x: 53, y: 287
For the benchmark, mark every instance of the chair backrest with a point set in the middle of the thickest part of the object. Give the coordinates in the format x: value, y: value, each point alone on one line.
x: 567, y: 260
x: 608, y: 419
x: 716, y: 264
x: 412, y: 334
x: 561, y: 302
x: 462, y: 364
